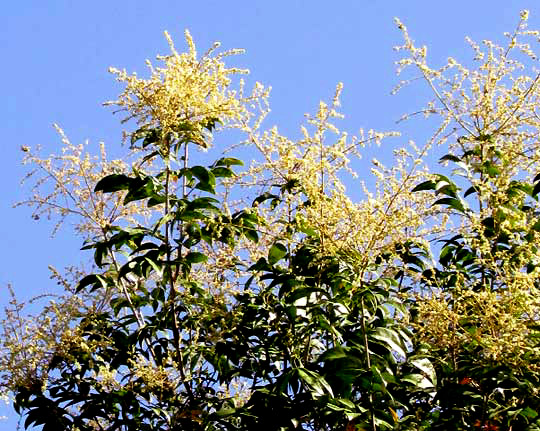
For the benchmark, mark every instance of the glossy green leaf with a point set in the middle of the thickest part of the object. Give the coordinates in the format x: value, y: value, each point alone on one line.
x: 113, y: 183
x: 195, y: 257
x: 222, y: 172
x: 449, y: 157
x: 276, y: 253
x: 427, y: 367
x: 536, y: 189
x: 470, y: 191
x: 391, y: 339
x: 139, y: 189
x: 452, y: 203
x: 229, y: 161
x: 426, y: 185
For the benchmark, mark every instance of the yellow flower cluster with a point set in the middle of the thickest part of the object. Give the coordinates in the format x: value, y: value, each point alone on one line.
x: 151, y: 375
x: 27, y: 343
x: 493, y: 105
x: 318, y: 162
x: 63, y: 185
x: 187, y: 89
x: 488, y: 114
x: 498, y: 323
x: 490, y: 109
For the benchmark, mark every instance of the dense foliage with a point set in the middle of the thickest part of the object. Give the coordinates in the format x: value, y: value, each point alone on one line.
x: 232, y: 298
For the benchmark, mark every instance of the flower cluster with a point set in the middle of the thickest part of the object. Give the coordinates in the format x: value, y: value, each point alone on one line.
x: 320, y: 163
x: 63, y: 185
x: 489, y: 119
x: 187, y: 89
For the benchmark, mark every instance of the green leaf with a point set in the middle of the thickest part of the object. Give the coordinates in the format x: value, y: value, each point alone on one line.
x: 485, y: 138
x: 222, y: 172
x: 276, y: 253
x: 445, y: 186
x: 126, y: 269
x: 156, y: 200
x: 452, y: 203
x: 86, y: 281
x: 450, y: 157
x: 333, y: 354
x: 470, y: 191
x: 316, y: 382
x: 195, y: 257
x: 309, y: 231
x: 207, y: 180
x: 163, y: 220
x: 201, y: 173
x: 490, y: 169
x: 426, y: 366
x: 382, y: 424
x: 149, y: 157
x: 426, y: 185
x: 391, y: 339
x: 152, y: 137
x: 290, y: 186
x: 252, y: 235
x: 536, y: 189
x: 113, y: 183
x: 529, y: 413
x: 92, y: 279
x: 101, y: 252
x: 156, y: 267
x: 228, y: 161
x: 139, y: 134
x: 140, y: 188
x: 206, y: 203
x: 418, y: 380
x: 224, y: 412
x: 264, y: 197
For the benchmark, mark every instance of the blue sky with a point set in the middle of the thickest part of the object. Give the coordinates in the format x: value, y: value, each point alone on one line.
x: 56, y: 55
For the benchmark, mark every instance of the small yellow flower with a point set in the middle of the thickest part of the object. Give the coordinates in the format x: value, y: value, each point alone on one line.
x: 186, y: 89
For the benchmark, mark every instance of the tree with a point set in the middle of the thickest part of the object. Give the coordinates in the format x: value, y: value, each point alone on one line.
x: 480, y: 320
x: 223, y: 298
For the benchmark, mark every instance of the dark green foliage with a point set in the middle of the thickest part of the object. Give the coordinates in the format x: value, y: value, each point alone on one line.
x: 316, y: 346
x: 475, y: 391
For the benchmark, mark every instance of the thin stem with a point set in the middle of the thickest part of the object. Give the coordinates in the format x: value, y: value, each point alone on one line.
x: 136, y: 312
x: 518, y: 105
x: 172, y: 288
x: 447, y: 107
x: 368, y: 363
x: 181, y: 224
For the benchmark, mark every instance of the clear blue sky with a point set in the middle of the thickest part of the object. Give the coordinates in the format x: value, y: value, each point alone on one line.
x: 56, y: 54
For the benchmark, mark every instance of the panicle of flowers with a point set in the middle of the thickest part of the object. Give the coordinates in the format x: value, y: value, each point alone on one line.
x: 239, y: 391
x: 488, y: 116
x: 501, y: 321
x: 28, y: 342
x: 317, y: 163
x: 496, y: 99
x: 63, y: 186
x: 151, y: 375
x: 187, y: 89
x: 489, y: 113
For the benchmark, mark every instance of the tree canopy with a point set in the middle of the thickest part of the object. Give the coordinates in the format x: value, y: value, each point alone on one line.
x: 234, y: 293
